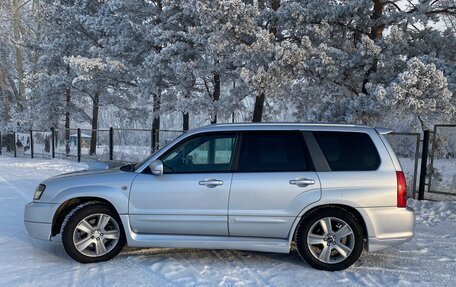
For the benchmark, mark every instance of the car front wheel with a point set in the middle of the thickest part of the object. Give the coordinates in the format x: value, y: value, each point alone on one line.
x: 330, y: 239
x: 92, y: 232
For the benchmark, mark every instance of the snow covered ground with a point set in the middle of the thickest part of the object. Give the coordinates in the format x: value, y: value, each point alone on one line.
x: 428, y: 260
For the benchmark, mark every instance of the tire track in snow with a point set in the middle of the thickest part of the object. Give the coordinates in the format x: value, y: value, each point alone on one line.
x: 166, y: 264
x: 196, y: 274
x: 236, y: 261
x: 17, y: 193
x: 258, y: 277
x: 152, y: 278
x: 21, y: 192
x: 375, y: 266
x: 185, y: 267
x: 409, y: 273
x: 11, y: 238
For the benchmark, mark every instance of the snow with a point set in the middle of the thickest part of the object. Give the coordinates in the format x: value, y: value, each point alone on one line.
x: 428, y: 260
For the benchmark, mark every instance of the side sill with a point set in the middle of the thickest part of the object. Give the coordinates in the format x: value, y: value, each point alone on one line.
x: 203, y: 241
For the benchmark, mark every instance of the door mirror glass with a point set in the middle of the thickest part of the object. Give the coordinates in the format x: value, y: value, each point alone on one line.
x: 156, y: 167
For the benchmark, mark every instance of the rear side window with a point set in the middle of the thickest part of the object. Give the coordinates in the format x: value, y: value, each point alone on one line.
x: 272, y: 151
x: 347, y: 151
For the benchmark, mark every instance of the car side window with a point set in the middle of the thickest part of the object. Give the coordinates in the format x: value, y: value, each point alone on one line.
x: 348, y: 151
x: 273, y: 152
x: 208, y: 153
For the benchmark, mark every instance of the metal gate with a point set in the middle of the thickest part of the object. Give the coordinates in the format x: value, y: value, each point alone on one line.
x: 407, y: 149
x: 442, y: 168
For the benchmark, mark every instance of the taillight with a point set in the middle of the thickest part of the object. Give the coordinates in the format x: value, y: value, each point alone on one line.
x: 401, y: 189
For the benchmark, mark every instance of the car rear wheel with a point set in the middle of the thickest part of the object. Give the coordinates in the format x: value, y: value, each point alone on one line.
x: 92, y: 232
x: 330, y: 239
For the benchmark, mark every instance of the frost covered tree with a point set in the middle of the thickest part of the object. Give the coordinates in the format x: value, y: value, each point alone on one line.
x: 20, y: 26
x: 359, y: 45
x: 84, y: 64
x: 54, y: 94
x: 315, y: 60
x: 225, y: 33
x: 421, y: 91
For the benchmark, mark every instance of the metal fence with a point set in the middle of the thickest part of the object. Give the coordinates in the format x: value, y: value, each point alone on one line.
x: 442, y: 167
x: 129, y: 145
x: 438, y: 173
x: 135, y: 144
x: 407, y: 149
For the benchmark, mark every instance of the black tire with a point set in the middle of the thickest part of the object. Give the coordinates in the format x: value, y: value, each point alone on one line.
x: 337, y: 260
x: 83, y: 211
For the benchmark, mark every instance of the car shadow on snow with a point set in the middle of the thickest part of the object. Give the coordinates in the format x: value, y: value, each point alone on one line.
x: 246, y: 257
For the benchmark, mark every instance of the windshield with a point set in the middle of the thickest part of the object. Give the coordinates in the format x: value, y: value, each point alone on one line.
x: 138, y: 165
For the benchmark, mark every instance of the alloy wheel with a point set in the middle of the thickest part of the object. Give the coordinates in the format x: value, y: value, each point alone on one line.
x: 96, y: 235
x: 330, y: 240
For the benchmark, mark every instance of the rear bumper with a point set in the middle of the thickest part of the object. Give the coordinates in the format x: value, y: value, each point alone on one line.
x: 388, y: 226
x: 38, y: 219
x: 375, y: 244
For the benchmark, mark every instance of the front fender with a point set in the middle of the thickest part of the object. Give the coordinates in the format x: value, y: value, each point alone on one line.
x: 117, y: 196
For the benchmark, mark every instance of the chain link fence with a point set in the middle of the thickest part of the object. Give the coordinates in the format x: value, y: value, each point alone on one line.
x: 42, y: 143
x: 442, y: 169
x: 94, y: 144
x: 126, y: 145
x: 132, y: 145
x: 407, y: 149
x: 164, y: 137
x: 65, y: 143
x: 23, y: 144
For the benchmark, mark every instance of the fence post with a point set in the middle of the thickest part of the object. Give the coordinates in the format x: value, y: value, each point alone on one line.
x: 152, y: 139
x: 1, y: 143
x: 424, y: 159
x: 111, y: 143
x: 53, y: 142
x: 31, y: 144
x: 415, y: 165
x: 14, y: 144
x: 79, y: 145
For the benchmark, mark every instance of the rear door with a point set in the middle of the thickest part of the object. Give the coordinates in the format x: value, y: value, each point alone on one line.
x: 360, y: 169
x: 273, y: 180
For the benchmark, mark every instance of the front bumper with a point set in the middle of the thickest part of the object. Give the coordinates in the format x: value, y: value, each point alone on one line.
x: 38, y: 219
x: 38, y: 230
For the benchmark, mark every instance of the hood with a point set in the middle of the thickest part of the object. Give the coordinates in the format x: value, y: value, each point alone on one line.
x: 85, y: 183
x: 84, y: 172
x: 94, y: 168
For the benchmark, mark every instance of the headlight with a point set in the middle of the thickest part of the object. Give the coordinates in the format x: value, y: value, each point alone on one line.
x: 39, y: 191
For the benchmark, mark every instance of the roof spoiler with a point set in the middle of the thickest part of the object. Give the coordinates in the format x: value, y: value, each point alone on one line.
x: 384, y: 131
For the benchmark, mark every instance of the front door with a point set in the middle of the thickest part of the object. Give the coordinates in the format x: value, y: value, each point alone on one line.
x: 191, y: 197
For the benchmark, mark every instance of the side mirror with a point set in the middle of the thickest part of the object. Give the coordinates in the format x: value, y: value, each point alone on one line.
x: 156, y: 167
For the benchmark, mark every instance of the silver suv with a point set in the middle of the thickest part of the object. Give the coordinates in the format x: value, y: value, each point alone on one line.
x: 331, y: 189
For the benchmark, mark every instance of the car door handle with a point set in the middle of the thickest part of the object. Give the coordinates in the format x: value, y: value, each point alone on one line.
x: 210, y: 182
x: 302, y: 182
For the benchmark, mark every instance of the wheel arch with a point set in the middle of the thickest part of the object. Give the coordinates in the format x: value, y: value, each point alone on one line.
x: 66, y: 207
x: 346, y: 208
